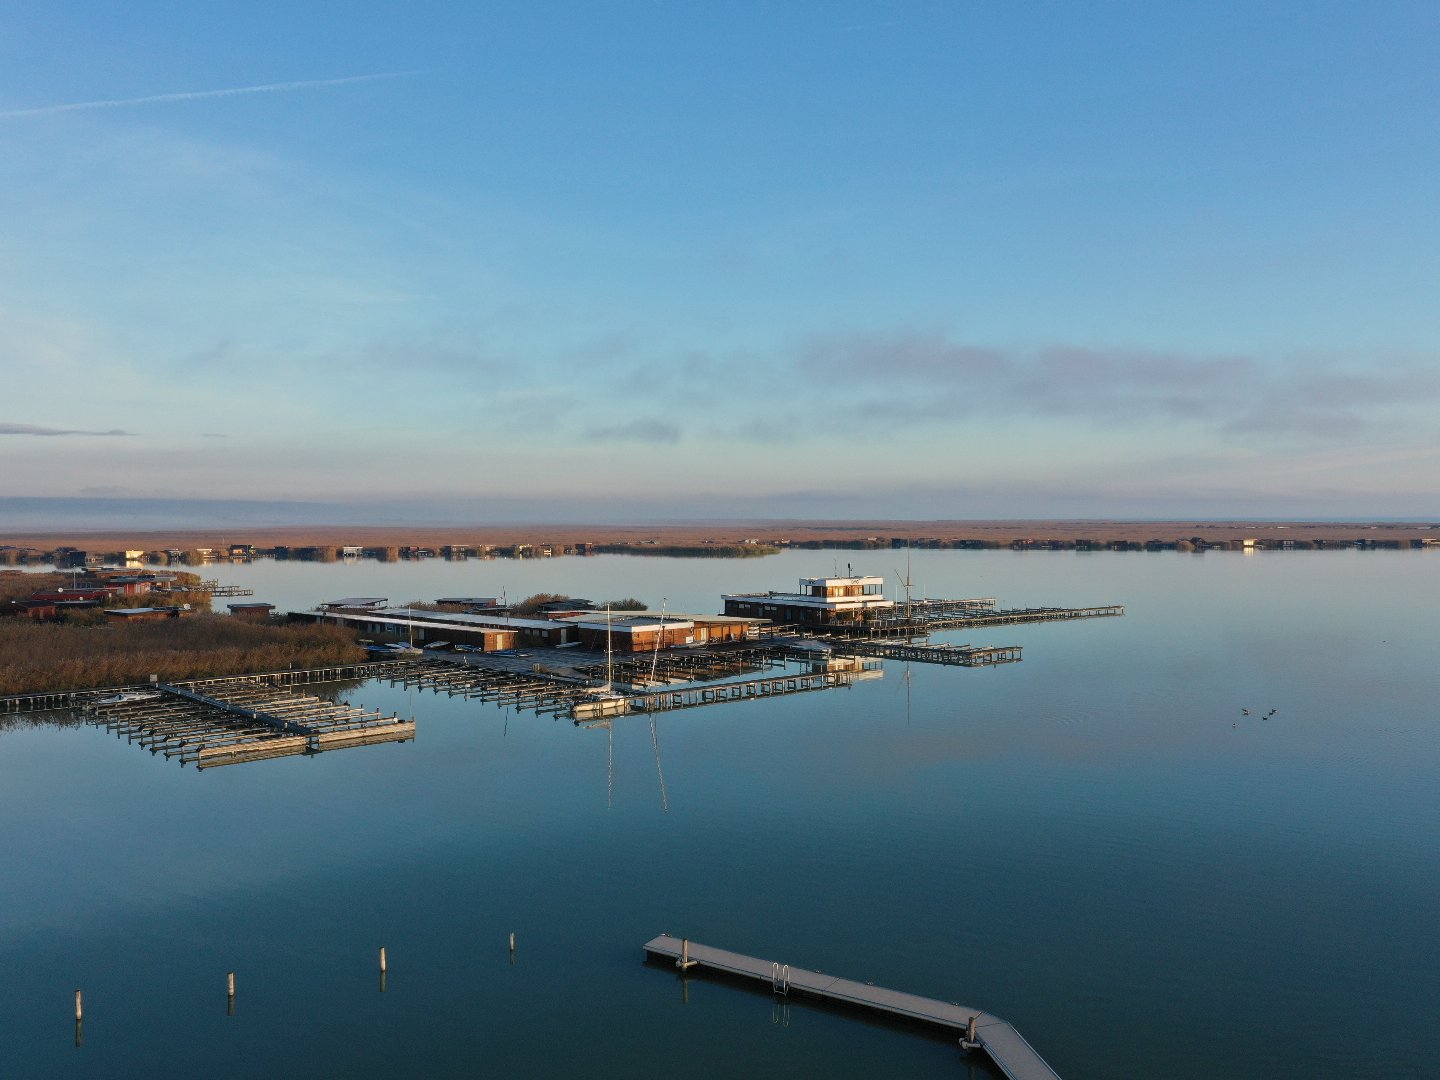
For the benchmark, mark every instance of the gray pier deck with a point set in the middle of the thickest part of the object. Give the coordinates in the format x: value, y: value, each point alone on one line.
x: 1005, y: 1046
x: 234, y: 720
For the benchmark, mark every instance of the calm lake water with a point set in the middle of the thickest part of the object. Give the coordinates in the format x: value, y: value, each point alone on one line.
x: 1095, y: 844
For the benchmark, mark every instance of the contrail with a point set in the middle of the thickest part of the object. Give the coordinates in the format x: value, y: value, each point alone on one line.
x: 197, y: 95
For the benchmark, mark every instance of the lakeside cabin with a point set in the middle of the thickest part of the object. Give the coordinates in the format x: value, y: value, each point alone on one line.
x: 820, y: 602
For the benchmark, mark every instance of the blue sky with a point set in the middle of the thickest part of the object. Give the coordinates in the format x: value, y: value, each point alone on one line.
x: 907, y: 259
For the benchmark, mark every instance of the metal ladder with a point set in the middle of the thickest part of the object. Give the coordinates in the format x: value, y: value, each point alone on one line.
x: 780, y: 978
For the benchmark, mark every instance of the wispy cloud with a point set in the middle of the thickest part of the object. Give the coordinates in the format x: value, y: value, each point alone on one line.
x: 930, y: 376
x: 199, y: 95
x: 32, y: 429
x: 647, y: 431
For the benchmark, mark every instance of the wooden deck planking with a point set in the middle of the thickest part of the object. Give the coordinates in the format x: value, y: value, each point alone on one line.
x: 1005, y: 1046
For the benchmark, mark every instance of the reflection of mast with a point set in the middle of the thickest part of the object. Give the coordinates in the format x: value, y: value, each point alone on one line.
x: 610, y: 766
x: 609, y: 653
x: 655, y: 741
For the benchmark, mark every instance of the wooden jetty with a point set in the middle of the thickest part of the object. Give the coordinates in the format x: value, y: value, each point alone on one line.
x: 976, y: 1029
x: 956, y: 655
x: 924, y: 621
x: 228, y: 721
x: 214, y: 588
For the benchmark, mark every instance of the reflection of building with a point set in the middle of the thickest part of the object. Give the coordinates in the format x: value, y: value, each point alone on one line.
x: 821, y: 601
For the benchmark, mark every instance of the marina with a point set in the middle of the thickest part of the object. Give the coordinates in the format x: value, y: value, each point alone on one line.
x: 1068, y: 843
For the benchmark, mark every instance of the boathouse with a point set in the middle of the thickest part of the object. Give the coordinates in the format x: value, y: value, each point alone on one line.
x: 703, y: 629
x: 490, y: 632
x: 631, y: 632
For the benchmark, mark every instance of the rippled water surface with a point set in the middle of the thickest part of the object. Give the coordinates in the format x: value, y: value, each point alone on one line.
x: 1095, y: 844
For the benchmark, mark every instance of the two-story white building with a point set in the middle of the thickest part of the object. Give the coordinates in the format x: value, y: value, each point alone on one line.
x: 820, y: 602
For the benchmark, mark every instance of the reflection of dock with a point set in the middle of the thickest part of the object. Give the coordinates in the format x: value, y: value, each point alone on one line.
x: 954, y: 655
x: 227, y: 721
x: 746, y: 690
x: 975, y: 1029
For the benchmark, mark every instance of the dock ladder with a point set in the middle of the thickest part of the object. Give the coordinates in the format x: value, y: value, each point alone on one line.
x: 780, y: 978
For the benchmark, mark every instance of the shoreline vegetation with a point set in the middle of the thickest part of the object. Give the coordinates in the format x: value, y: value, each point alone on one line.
x: 82, y: 648
x: 731, y: 541
x: 37, y: 658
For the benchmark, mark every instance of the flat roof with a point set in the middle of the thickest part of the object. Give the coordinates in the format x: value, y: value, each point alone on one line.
x: 805, y: 600
x: 431, y: 624
x: 358, y: 601
x: 696, y: 618
x: 465, y: 618
x: 629, y: 624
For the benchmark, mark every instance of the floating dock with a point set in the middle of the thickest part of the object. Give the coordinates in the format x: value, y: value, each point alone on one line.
x: 933, y: 616
x: 229, y: 721
x: 975, y: 1028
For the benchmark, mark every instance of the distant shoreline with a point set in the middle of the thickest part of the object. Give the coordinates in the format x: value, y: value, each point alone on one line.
x: 692, y: 538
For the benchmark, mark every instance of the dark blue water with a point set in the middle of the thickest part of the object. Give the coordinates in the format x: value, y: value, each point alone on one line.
x: 1094, y: 844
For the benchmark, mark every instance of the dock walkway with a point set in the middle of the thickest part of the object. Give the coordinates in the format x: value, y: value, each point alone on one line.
x: 976, y: 1028
x: 923, y: 621
x: 229, y: 721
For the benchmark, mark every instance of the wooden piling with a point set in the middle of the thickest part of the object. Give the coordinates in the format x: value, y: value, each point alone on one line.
x: 383, y: 968
x: 79, y: 1007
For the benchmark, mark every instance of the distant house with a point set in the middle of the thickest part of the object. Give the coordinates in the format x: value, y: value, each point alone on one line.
x: 144, y: 614
x: 37, y: 610
x: 136, y: 585
x: 68, y: 558
x: 74, y: 596
x: 572, y: 605
x: 251, y: 612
